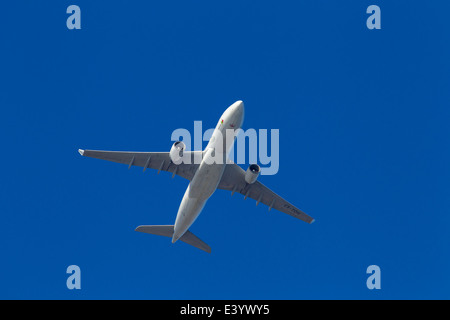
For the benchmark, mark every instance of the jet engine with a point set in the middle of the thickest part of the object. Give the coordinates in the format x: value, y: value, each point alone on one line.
x: 252, y: 173
x: 176, y: 152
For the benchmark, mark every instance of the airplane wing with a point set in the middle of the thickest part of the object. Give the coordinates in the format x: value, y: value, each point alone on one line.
x: 233, y: 180
x: 154, y: 160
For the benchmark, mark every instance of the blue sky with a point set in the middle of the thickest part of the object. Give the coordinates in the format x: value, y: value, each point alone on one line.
x: 364, y: 148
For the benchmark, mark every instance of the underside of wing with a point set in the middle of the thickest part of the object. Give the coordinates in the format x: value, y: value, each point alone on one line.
x: 233, y: 179
x: 154, y: 160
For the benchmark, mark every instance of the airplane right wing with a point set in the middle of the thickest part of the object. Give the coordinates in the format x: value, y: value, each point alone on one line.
x: 233, y: 179
x: 154, y: 160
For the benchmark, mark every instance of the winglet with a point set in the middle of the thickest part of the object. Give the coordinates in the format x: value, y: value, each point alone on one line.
x: 81, y: 151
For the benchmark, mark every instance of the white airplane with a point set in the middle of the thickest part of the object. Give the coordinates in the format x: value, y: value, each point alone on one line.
x: 205, y: 176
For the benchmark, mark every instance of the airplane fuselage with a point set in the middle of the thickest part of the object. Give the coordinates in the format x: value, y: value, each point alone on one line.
x: 210, y: 170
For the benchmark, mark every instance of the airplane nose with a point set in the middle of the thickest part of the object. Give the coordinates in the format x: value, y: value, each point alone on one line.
x: 239, y: 112
x: 239, y: 106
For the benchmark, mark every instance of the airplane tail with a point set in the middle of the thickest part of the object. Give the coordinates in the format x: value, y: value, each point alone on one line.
x: 167, y: 231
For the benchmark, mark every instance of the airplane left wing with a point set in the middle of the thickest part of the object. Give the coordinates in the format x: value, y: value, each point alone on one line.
x: 233, y: 179
x: 154, y: 160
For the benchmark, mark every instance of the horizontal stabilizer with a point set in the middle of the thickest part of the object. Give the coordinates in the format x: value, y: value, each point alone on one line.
x: 167, y: 231
x: 193, y: 240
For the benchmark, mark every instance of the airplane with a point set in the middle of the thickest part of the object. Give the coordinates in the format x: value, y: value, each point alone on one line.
x: 205, y: 176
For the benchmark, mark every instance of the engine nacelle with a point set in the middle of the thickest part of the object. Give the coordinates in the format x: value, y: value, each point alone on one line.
x: 252, y: 173
x: 176, y: 152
